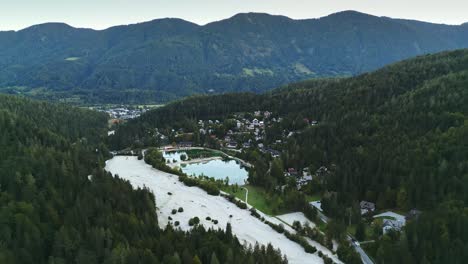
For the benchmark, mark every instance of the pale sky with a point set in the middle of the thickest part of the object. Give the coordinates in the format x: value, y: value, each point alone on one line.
x: 100, y: 14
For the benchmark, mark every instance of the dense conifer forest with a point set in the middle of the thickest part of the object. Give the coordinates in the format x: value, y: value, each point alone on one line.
x: 396, y: 137
x: 57, y: 204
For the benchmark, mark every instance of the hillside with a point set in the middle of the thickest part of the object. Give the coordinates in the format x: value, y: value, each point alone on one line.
x: 396, y: 137
x: 165, y: 59
x: 58, y: 205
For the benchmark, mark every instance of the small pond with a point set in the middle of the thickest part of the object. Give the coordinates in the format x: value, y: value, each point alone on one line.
x: 218, y: 169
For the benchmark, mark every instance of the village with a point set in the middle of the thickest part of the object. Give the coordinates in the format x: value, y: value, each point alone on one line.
x: 242, y: 132
x: 262, y: 132
x: 122, y: 112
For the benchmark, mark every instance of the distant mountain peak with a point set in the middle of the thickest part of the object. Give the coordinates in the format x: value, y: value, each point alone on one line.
x: 349, y: 14
x: 49, y: 26
x: 252, y: 17
x: 168, y: 20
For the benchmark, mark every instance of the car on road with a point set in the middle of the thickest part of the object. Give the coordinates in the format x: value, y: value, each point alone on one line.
x: 355, y: 242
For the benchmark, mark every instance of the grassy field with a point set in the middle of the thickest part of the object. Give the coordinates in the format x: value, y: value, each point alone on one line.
x: 257, y: 198
x: 313, y: 198
x: 238, y: 192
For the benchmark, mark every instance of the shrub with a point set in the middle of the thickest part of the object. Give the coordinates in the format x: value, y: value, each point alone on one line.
x: 241, y: 205
x: 208, y: 218
x: 180, y: 210
x: 215, y: 222
x: 254, y: 213
x: 176, y: 223
x: 194, y: 221
x: 174, y: 211
x: 170, y: 218
x: 297, y: 225
x: 169, y: 193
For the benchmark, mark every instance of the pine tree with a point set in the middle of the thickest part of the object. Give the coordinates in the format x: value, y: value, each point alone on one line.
x: 214, y: 259
x: 196, y: 260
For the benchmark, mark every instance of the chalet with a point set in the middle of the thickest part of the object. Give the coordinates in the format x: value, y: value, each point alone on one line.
x: 292, y: 172
x: 304, y: 180
x: 366, y: 207
x: 232, y: 145
x: 257, y: 113
x: 246, y: 145
x: 273, y: 153
x: 391, y: 225
x: 255, y: 122
x: 306, y: 173
x: 314, y: 122
x: 266, y: 114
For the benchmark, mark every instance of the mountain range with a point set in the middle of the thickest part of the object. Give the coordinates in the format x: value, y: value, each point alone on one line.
x: 165, y: 59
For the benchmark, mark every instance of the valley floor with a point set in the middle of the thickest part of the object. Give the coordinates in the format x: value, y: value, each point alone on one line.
x: 171, y: 194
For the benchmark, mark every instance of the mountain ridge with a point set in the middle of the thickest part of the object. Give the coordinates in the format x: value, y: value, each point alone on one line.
x: 165, y: 59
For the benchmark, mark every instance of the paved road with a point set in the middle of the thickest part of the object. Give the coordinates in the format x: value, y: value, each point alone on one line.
x: 364, y: 257
x: 246, y: 194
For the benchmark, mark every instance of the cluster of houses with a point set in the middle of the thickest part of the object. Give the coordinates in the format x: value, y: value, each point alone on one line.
x: 391, y: 221
x: 123, y: 112
x: 302, y: 179
x: 254, y: 127
x: 247, y: 130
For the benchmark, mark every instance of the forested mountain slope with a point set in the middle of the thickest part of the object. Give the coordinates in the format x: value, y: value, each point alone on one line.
x: 165, y: 59
x: 57, y: 204
x: 397, y: 137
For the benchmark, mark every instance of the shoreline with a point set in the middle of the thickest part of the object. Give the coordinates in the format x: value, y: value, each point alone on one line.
x: 174, y: 149
x: 192, y: 161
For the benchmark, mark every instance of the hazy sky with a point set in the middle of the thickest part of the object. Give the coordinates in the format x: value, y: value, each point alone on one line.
x: 100, y: 14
